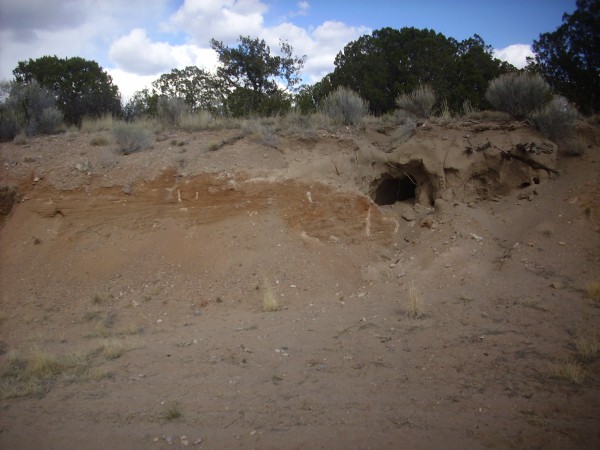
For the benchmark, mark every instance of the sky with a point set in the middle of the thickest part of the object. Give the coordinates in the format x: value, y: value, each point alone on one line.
x: 136, y: 41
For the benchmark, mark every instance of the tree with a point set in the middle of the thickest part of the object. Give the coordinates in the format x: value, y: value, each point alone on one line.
x: 390, y: 62
x: 569, y: 58
x: 475, y: 68
x: 198, y: 88
x: 81, y: 86
x: 142, y: 103
x: 251, y: 76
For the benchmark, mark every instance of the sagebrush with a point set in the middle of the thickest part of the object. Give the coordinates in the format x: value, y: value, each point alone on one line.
x: 518, y: 94
x: 131, y: 137
x: 556, y: 119
x: 344, y: 106
x: 419, y: 102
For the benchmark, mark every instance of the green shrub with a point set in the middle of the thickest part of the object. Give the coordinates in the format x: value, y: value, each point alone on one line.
x: 518, y: 94
x: 556, y: 119
x: 344, y: 106
x: 131, y: 137
x: 418, y: 102
x: 28, y: 107
x: 11, y: 121
x: 49, y: 122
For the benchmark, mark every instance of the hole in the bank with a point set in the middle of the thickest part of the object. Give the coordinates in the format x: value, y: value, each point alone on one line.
x: 391, y: 190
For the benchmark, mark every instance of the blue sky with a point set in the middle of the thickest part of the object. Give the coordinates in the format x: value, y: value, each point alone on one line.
x: 138, y: 40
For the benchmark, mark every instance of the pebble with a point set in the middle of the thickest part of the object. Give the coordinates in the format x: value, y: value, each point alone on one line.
x: 409, y: 216
x: 557, y: 285
x: 476, y: 237
x: 562, y: 243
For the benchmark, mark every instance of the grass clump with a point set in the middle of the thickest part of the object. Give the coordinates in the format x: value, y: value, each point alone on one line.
x: 131, y: 137
x: 96, y: 124
x: 415, y: 301
x: 587, y: 346
x: 592, y: 290
x: 518, y: 94
x: 100, y: 140
x: 418, y: 102
x: 569, y: 370
x: 344, y: 106
x: 20, y: 139
x: 269, y: 301
x: 198, y: 121
x: 263, y: 133
x: 34, y: 374
x: 172, y: 412
x: 113, y: 349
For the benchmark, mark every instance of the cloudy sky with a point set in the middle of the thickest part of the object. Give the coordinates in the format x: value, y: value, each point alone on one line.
x: 136, y: 41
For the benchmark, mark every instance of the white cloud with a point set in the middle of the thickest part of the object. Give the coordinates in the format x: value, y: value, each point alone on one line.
x: 136, y: 53
x: 129, y: 82
x: 515, y: 54
x: 121, y: 37
x: 225, y: 20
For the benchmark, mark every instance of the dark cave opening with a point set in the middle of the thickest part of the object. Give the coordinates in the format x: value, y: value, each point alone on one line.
x: 391, y: 190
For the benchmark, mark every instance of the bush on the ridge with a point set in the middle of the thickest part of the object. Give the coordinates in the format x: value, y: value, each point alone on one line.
x: 344, y: 106
x: 29, y: 108
x: 556, y: 119
x: 418, y: 102
x: 170, y: 110
x: 518, y: 94
x: 131, y: 137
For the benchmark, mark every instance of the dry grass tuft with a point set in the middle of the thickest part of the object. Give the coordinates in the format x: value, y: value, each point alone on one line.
x: 269, y: 301
x: 113, y: 349
x: 34, y: 374
x: 592, y: 290
x: 415, y: 299
x: 587, y: 346
x: 95, y: 124
x: 100, y: 140
x: 569, y: 370
x: 172, y: 412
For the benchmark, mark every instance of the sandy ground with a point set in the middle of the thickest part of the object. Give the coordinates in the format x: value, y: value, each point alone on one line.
x: 155, y: 267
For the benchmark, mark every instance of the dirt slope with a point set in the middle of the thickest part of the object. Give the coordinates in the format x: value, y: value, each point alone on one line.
x: 146, y: 276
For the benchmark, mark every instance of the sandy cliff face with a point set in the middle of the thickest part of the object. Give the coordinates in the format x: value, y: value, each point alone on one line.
x: 145, y: 277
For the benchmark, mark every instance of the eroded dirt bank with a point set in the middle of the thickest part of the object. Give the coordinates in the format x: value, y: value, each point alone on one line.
x: 150, y: 271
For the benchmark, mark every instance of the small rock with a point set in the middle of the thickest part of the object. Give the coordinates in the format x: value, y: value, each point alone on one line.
x: 562, y: 243
x: 253, y: 432
x: 476, y: 237
x: 409, y: 216
x: 557, y: 285
x: 426, y: 222
x: 198, y: 441
x: 83, y: 166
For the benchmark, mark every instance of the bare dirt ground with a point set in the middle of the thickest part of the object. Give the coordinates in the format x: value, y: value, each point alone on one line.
x: 145, y: 277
